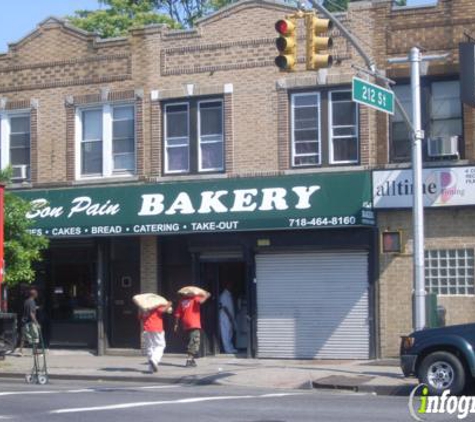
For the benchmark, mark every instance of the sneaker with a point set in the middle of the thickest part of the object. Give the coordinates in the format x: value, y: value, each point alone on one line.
x: 188, y: 363
x: 153, y: 366
x: 193, y: 363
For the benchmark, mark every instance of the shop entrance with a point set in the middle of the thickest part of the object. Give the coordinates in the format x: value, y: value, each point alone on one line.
x: 124, y: 329
x: 225, y: 309
x: 70, y: 290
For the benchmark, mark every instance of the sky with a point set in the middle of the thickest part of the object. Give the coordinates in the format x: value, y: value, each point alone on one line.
x: 19, y: 17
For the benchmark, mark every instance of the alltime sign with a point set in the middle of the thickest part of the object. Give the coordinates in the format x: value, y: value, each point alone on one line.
x: 442, y: 187
x: 288, y: 202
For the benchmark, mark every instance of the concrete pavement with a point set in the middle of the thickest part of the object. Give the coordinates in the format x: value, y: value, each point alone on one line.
x: 382, y: 378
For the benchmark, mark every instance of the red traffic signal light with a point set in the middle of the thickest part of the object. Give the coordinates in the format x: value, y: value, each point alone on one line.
x: 286, y: 45
x: 284, y: 27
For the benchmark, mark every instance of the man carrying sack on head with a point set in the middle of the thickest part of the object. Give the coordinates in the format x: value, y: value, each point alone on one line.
x: 189, y: 312
x: 151, y: 310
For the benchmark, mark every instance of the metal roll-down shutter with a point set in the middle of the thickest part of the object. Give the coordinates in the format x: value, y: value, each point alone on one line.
x: 313, y: 305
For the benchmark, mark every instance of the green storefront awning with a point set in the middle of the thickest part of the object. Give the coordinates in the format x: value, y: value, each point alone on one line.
x: 306, y: 201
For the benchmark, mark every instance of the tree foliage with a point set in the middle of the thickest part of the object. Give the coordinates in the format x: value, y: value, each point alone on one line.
x: 119, y: 16
x: 22, y: 249
x: 187, y: 12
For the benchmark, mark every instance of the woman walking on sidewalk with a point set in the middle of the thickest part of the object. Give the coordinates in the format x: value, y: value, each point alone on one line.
x: 154, y: 335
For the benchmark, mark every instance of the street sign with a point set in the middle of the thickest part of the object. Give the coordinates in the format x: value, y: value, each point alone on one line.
x: 372, y: 95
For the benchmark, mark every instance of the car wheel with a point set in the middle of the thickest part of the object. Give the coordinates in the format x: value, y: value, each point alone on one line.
x: 442, y: 371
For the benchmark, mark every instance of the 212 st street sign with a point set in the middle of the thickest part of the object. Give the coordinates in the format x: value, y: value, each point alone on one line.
x: 372, y: 95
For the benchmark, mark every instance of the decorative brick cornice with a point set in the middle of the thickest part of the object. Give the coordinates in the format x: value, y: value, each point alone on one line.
x: 60, y: 84
x: 60, y: 63
x: 235, y: 7
x: 201, y: 58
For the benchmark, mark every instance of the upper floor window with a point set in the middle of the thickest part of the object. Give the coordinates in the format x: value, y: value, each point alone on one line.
x: 324, y: 128
x: 15, y: 144
x: 194, y: 137
x: 441, y: 118
x: 106, y: 141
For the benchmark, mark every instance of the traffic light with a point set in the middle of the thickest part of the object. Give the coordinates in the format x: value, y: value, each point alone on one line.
x: 286, y: 43
x: 318, y: 56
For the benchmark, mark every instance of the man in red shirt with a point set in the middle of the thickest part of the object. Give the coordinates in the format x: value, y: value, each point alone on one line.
x: 154, y: 335
x: 188, y: 311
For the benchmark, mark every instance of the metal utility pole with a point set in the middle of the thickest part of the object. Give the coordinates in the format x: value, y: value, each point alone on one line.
x: 415, y: 58
x: 418, y: 196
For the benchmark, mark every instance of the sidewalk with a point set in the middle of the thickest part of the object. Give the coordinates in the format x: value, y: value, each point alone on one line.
x: 379, y: 377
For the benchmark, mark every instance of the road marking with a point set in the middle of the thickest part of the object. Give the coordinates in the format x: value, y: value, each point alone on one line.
x: 158, y: 403
x: 84, y: 390
x: 21, y: 393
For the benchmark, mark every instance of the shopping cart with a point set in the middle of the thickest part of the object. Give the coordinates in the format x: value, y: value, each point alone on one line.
x: 39, y: 370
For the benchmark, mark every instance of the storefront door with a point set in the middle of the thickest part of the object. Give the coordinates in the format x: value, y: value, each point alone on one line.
x: 124, y: 284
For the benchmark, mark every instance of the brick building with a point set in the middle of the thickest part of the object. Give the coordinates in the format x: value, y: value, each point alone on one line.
x: 448, y: 156
x: 175, y: 157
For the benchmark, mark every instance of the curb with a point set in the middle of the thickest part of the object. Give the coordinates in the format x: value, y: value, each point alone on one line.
x: 218, y: 379
x: 189, y: 380
x: 379, y: 390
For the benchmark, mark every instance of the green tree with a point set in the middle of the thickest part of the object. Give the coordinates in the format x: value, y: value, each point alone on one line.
x: 116, y: 17
x: 119, y: 16
x: 187, y: 12
x: 22, y: 249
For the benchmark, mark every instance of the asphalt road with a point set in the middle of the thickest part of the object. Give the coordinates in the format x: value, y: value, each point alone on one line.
x: 88, y: 401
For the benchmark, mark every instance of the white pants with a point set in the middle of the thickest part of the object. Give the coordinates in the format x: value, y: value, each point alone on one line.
x: 155, y: 345
x: 227, y: 332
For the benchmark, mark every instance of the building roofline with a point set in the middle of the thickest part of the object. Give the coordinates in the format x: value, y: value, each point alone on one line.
x: 240, y: 3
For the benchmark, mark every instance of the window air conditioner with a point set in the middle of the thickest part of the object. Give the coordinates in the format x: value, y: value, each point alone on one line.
x: 20, y: 173
x: 443, y: 146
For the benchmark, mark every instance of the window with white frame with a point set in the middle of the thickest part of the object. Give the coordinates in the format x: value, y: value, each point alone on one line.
x: 324, y: 128
x: 343, y: 122
x: 306, y: 139
x: 450, y: 271
x: 15, y: 141
x: 106, y: 141
x: 177, y: 138
x: 194, y: 136
x: 211, y: 136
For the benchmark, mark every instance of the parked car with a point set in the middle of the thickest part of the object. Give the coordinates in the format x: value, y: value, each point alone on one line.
x: 442, y: 358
